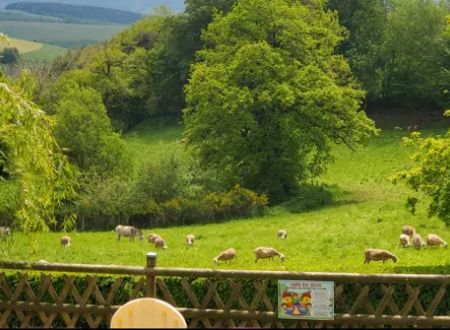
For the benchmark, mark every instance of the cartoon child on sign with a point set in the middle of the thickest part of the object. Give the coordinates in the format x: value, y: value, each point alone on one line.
x: 295, y: 304
x: 287, y: 303
x: 305, y: 304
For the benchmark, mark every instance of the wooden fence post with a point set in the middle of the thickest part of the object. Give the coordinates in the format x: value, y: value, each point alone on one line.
x: 151, y: 279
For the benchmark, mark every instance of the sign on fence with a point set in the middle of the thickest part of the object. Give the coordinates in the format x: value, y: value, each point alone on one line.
x: 310, y: 300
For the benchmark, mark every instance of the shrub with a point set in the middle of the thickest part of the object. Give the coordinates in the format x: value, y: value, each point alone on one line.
x: 9, y: 56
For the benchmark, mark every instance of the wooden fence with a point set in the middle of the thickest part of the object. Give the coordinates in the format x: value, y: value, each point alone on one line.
x: 45, y: 295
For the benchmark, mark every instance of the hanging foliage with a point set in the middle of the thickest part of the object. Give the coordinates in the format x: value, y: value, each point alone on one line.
x: 31, y: 156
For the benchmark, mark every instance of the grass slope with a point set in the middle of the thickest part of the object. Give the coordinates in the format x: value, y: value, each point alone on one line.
x: 366, y: 211
x: 45, y: 53
x: 30, y: 50
x: 60, y: 34
x: 23, y: 46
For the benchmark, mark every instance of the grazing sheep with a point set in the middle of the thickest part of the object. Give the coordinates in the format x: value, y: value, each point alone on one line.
x: 5, y: 232
x: 397, y: 128
x: 267, y: 253
x: 225, y: 255
x: 377, y: 255
x: 128, y: 231
x: 152, y: 237
x: 435, y: 240
x: 405, y: 240
x: 417, y: 241
x: 282, y: 234
x: 65, y: 241
x: 190, y: 240
x: 160, y: 243
x: 408, y: 230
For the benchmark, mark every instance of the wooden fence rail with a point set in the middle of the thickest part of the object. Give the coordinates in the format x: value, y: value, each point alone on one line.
x: 76, y: 295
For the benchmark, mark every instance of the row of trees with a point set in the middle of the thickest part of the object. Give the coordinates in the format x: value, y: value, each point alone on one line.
x: 398, y: 49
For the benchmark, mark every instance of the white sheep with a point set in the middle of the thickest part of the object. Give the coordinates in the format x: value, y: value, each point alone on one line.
x: 190, y: 240
x: 417, y: 241
x: 160, y: 243
x: 435, y: 240
x: 226, y: 255
x: 267, y: 253
x: 408, y: 230
x: 282, y: 234
x: 377, y: 255
x: 65, y: 241
x: 397, y: 128
x: 5, y: 232
x: 405, y: 241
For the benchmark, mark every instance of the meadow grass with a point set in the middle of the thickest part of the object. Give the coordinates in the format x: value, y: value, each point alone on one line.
x: 59, y: 34
x: 366, y: 210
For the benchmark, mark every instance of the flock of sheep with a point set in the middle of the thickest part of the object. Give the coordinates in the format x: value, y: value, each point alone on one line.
x: 227, y: 255
x: 131, y: 232
x: 408, y: 237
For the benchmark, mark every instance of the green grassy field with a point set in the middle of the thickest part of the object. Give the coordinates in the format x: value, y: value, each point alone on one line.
x: 366, y: 211
x: 59, y: 34
x: 30, y: 50
x: 45, y: 53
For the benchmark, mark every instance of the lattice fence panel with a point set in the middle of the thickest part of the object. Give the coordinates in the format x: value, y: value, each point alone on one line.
x: 88, y: 301
x: 374, y: 305
x: 64, y: 301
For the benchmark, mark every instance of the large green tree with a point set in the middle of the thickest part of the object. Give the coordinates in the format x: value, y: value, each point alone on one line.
x: 269, y: 96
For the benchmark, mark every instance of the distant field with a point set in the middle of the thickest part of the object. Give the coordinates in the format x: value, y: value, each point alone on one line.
x: 24, y: 46
x: 367, y: 210
x: 45, y: 53
x: 59, y: 34
x: 30, y: 50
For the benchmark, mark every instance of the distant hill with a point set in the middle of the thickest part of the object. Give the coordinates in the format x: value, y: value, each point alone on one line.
x: 77, y: 13
x: 138, y: 6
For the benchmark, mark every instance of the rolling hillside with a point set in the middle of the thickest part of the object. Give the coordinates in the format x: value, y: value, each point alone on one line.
x: 15, y: 15
x: 60, y: 34
x: 77, y: 13
x: 23, y: 46
x: 30, y: 50
x: 141, y: 6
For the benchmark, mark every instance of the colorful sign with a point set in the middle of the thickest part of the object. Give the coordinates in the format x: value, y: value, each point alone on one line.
x: 309, y: 300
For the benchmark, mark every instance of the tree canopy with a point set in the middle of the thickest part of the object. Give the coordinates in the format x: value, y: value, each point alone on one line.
x: 269, y: 95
